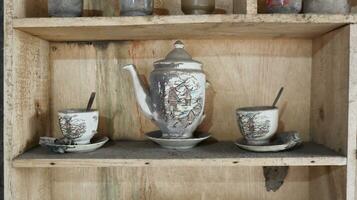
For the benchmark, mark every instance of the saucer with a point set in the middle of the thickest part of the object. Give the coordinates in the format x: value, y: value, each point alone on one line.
x: 179, y: 143
x: 50, y: 143
x: 281, y: 142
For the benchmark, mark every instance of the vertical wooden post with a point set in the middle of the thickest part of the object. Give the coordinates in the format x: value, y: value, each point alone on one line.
x: 245, y: 6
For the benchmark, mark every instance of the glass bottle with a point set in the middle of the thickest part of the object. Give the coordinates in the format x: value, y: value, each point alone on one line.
x: 65, y: 8
x: 283, y: 6
x: 327, y: 6
x: 197, y: 7
x: 136, y: 7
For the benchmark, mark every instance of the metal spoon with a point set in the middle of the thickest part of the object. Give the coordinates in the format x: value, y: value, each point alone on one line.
x: 90, y: 101
x: 278, y: 96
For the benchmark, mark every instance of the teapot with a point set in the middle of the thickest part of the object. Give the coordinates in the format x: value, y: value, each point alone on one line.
x: 175, y: 99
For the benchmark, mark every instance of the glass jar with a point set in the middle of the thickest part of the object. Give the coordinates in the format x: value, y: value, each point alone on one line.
x: 197, y: 6
x: 327, y: 6
x: 65, y: 8
x: 283, y: 6
x: 136, y: 7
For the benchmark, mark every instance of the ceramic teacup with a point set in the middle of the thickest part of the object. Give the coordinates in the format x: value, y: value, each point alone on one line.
x: 258, y: 124
x: 78, y: 125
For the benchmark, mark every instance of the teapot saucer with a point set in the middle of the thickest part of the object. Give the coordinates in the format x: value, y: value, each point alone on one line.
x: 51, y: 144
x: 177, y: 143
x: 282, y: 142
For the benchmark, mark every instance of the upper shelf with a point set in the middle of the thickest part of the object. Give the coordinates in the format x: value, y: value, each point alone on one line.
x: 182, y: 26
x: 145, y: 153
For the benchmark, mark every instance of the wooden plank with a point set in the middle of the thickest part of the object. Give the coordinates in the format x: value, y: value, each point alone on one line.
x: 26, y: 106
x: 245, y: 6
x: 26, y: 112
x: 329, y: 102
x: 173, y: 27
x: 161, y: 183
x: 352, y: 116
x: 332, y: 111
x: 239, y: 69
x: 252, y: 7
x: 146, y: 153
x: 328, y: 183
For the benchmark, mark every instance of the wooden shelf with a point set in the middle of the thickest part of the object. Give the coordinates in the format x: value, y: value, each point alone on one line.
x: 181, y: 26
x: 145, y: 153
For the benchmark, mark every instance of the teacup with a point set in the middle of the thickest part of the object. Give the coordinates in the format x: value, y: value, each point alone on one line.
x: 258, y: 124
x: 78, y: 125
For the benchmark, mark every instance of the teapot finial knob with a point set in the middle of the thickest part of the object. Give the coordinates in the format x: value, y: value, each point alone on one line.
x: 179, y: 44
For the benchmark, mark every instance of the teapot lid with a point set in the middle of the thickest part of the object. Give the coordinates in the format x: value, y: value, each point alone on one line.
x: 178, y: 54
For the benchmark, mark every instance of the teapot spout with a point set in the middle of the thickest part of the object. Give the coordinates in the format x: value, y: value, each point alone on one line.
x: 141, y: 92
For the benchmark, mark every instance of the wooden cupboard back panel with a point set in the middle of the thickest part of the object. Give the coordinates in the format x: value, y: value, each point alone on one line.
x: 28, y: 8
x: 328, y: 183
x: 240, y: 72
x: 353, y: 2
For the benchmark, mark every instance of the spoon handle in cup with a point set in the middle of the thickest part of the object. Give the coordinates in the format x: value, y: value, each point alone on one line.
x: 90, y: 102
x: 278, y: 96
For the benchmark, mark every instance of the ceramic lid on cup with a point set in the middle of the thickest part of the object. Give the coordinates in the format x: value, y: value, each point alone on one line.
x: 179, y: 58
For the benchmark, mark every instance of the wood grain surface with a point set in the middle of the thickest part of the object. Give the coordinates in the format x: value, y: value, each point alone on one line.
x: 352, y: 115
x: 146, y: 153
x: 333, y: 110
x: 241, y: 72
x: 43, y: 77
x: 26, y: 86
x: 174, y: 183
x: 184, y: 27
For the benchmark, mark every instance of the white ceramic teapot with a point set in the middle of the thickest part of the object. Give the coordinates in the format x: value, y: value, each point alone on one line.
x: 176, y: 98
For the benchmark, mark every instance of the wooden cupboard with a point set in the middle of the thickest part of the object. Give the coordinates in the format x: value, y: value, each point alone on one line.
x: 54, y: 63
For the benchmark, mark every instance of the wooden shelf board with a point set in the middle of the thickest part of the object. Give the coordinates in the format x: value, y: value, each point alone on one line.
x: 182, y: 26
x: 146, y: 153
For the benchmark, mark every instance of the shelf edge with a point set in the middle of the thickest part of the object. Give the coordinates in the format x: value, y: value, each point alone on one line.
x: 181, y: 19
x: 50, y: 163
